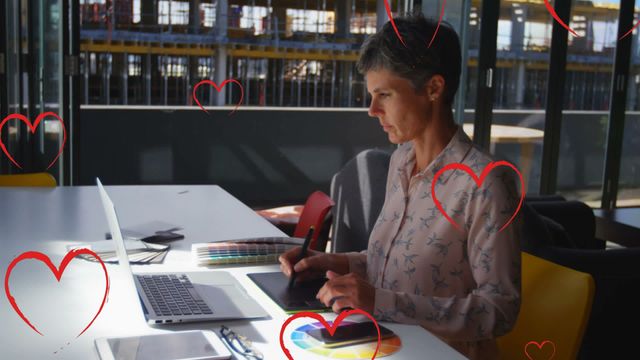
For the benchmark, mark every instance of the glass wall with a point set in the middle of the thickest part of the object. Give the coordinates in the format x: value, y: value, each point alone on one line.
x: 629, y: 182
x: 14, y: 39
x: 302, y: 54
x: 590, y: 60
x: 522, y: 67
x: 47, y: 79
x: 14, y: 84
x: 32, y: 87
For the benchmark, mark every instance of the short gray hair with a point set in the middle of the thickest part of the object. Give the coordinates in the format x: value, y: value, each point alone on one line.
x: 417, y: 62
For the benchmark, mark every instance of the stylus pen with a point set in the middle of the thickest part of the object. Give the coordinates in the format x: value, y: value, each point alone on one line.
x: 303, y: 253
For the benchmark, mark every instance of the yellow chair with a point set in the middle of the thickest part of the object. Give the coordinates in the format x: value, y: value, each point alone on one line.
x: 556, y: 304
x: 35, y: 179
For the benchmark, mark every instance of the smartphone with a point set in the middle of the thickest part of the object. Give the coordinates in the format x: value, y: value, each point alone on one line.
x: 350, y: 334
x: 179, y: 345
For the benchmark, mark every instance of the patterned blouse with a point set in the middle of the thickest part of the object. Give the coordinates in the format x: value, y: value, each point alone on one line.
x: 462, y: 284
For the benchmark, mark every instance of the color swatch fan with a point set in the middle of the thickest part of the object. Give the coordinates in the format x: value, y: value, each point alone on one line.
x: 302, y: 340
x: 243, y: 251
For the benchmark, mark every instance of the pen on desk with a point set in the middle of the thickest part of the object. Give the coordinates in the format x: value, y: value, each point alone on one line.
x: 303, y: 253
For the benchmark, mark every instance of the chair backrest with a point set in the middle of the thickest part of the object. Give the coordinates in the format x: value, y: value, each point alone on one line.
x: 556, y: 303
x: 537, y: 197
x: 358, y: 190
x: 313, y: 214
x: 575, y: 218
x: 616, y: 273
x: 34, y: 179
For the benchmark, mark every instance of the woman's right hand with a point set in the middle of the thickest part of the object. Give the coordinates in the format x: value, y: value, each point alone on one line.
x: 314, y: 265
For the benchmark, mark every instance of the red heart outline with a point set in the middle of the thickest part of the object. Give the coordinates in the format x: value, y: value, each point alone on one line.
x: 58, y: 274
x: 478, y: 181
x: 218, y: 88
x: 630, y: 31
x: 393, y: 23
x: 540, y: 347
x: 32, y: 128
x: 332, y: 328
x: 553, y: 13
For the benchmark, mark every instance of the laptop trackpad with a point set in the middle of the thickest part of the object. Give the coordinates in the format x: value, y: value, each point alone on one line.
x: 224, y: 299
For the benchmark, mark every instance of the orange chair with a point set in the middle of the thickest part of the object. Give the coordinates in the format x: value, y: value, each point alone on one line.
x: 35, y: 179
x: 313, y: 214
x: 284, y: 218
x: 556, y: 304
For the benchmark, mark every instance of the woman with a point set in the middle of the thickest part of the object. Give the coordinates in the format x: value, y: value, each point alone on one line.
x: 462, y: 284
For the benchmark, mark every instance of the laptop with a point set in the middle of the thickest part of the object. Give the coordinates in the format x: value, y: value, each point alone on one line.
x: 171, y: 297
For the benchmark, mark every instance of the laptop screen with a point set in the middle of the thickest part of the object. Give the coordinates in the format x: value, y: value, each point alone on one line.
x: 116, y: 234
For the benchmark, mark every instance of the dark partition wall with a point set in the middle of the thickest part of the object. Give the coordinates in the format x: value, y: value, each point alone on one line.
x: 263, y: 157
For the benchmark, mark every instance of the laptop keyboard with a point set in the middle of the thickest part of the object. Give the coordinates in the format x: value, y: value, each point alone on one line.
x: 172, y: 295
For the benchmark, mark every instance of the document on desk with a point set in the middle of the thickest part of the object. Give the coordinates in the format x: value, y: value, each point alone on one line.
x: 139, y: 252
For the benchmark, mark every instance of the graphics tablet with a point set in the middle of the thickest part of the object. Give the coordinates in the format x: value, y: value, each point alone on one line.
x: 302, y: 297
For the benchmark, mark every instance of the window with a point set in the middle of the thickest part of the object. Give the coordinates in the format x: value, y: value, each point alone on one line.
x: 135, y: 65
x: 172, y: 66
x: 208, y: 14
x: 363, y: 23
x: 205, y: 68
x: 537, y: 36
x: 253, y: 68
x: 254, y: 17
x: 585, y: 118
x: 136, y: 11
x: 173, y: 12
x: 629, y: 181
x: 92, y: 64
x: 311, y: 20
x: 520, y: 82
x: 504, y: 35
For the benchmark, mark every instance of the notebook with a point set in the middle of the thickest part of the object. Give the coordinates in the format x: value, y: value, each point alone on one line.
x: 244, y: 251
x: 302, y: 297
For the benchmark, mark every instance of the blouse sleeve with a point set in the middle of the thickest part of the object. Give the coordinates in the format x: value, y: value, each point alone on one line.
x: 358, y: 263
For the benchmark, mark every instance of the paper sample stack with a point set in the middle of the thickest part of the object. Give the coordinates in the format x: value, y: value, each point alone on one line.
x: 139, y: 252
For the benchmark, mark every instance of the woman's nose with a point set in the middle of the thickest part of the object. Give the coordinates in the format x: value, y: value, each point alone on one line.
x: 374, y: 109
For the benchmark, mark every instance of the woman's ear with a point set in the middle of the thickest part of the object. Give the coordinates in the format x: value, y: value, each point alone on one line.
x: 435, y: 87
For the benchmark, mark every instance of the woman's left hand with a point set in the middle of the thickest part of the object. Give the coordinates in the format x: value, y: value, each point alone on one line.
x: 347, y: 291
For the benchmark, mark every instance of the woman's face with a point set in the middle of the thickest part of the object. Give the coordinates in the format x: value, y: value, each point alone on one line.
x: 403, y: 114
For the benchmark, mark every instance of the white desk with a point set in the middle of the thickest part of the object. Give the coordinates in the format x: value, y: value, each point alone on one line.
x: 47, y: 220
x: 526, y: 137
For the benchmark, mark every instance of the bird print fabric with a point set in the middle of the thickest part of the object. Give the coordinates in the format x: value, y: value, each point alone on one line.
x: 462, y: 284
